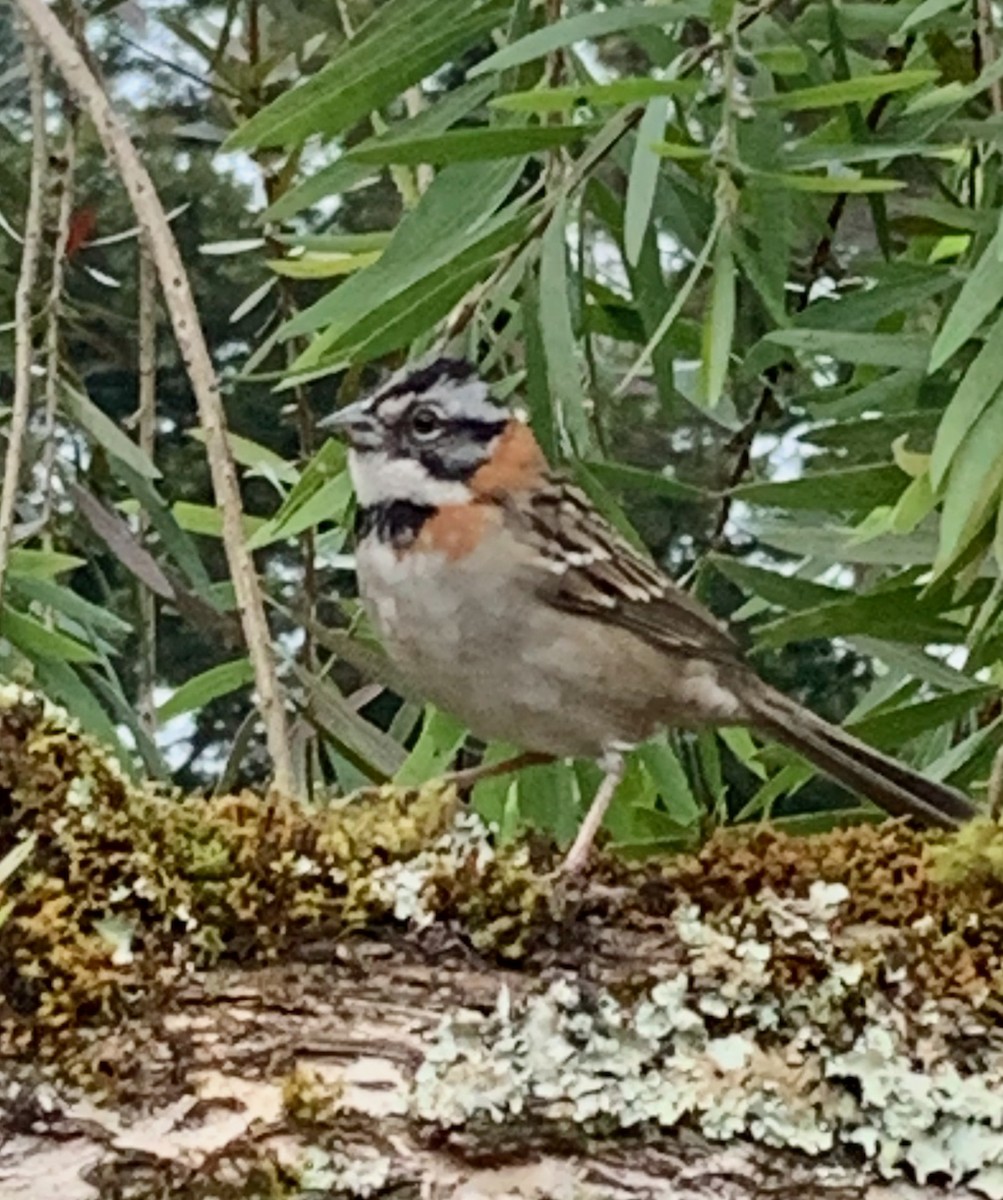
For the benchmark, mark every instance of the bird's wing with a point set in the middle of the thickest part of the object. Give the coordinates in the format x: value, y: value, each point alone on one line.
x: 587, y: 568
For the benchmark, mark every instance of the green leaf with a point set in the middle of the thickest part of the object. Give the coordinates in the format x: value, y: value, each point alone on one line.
x: 956, y: 93
x: 719, y: 324
x: 60, y: 681
x: 910, y: 351
x: 926, y: 11
x: 973, y: 485
x: 844, y: 490
x: 314, y: 265
x: 981, y: 293
x: 370, y: 72
x: 63, y: 600
x: 437, y: 745
x: 978, y: 386
x: 470, y: 145
x: 258, y: 459
x: 41, y: 564
x: 619, y: 91
x: 364, y: 743
x: 335, y: 179
x: 452, y: 220
x: 860, y: 90
x: 106, y: 433
x: 892, y: 728
x: 183, y: 551
x: 209, y: 685
x: 559, y: 345
x: 841, y: 184
x: 584, y: 27
x: 643, y: 178
x: 344, y: 174
x: 37, y: 642
x: 635, y: 479
x: 323, y: 492
x: 668, y: 776
x: 897, y: 615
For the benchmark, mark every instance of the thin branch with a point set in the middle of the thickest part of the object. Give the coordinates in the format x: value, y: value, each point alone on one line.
x: 146, y: 421
x: 53, y: 314
x: 180, y: 304
x: 22, y: 301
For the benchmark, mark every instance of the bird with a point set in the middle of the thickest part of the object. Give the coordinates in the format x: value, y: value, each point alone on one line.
x: 504, y: 597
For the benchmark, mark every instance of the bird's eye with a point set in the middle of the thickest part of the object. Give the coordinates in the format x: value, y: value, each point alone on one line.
x: 424, y: 421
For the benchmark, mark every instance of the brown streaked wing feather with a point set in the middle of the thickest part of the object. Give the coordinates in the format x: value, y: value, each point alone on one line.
x: 592, y: 571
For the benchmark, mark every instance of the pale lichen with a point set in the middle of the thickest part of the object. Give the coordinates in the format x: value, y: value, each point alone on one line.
x: 721, y: 1045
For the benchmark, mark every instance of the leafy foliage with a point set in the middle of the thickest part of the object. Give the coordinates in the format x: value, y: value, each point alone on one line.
x: 741, y: 262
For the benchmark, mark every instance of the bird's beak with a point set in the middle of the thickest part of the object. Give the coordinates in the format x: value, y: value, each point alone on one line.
x: 356, y: 424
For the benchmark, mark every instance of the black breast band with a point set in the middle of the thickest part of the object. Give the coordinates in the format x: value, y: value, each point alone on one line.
x: 395, y: 521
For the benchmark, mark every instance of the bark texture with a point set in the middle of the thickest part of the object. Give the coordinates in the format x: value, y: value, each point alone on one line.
x: 215, y: 997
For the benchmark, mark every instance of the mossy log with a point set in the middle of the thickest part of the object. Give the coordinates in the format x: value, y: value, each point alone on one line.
x: 237, y: 996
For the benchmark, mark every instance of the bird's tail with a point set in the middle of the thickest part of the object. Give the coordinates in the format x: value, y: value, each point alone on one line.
x: 891, y: 785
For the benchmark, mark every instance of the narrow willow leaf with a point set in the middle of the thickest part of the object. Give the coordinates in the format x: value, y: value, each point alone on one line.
x: 453, y: 217
x: 626, y: 478
x: 862, y: 89
x: 345, y: 175
x: 559, y: 345
x: 978, y: 386
x: 39, y: 643
x: 980, y: 295
x: 470, y: 145
x: 369, y: 72
x: 956, y: 93
x: 258, y: 459
x: 182, y: 550
x: 106, y: 433
x: 910, y: 351
x: 896, y: 615
x: 667, y: 773
x: 643, y: 177
x: 207, y: 686
x: 719, y: 324
x: 926, y: 11
x: 846, y: 489
x: 896, y: 726
x: 323, y: 491
x: 680, y: 151
x: 61, y: 681
x: 333, y: 180
x: 364, y: 743
x: 437, y: 745
x: 973, y: 485
x: 619, y: 91
x: 322, y: 266
x: 850, y: 185
x: 63, y: 600
x: 583, y: 27
x: 41, y: 564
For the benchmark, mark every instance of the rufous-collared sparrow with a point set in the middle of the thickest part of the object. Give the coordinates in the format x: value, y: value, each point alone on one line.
x: 508, y: 601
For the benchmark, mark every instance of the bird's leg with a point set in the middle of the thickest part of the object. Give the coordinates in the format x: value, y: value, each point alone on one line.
x: 613, y: 764
x: 470, y: 776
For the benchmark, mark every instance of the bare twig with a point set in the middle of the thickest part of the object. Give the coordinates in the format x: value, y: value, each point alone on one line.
x: 53, y: 314
x: 146, y: 422
x: 22, y: 301
x: 180, y: 303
